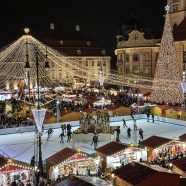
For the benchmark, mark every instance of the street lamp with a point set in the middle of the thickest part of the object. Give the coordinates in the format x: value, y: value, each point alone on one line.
x: 58, y: 110
x: 38, y: 113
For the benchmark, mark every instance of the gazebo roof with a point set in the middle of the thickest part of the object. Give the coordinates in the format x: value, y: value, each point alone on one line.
x: 155, y: 141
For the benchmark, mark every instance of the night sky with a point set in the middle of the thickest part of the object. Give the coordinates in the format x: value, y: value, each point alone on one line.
x: 98, y: 18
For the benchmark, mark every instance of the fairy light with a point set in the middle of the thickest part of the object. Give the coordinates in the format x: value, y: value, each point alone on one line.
x: 12, y: 62
x: 167, y: 69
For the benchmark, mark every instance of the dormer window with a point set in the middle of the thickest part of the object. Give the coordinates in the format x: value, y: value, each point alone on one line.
x: 79, y: 52
x: 88, y: 43
x: 103, y: 52
x: 61, y: 42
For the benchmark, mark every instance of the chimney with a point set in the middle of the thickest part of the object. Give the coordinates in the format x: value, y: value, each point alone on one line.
x: 51, y: 26
x: 77, y: 28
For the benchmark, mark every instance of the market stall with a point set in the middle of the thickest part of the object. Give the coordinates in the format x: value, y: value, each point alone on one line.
x: 11, y: 169
x: 116, y: 154
x: 69, y: 161
x: 160, y: 110
x: 163, y: 149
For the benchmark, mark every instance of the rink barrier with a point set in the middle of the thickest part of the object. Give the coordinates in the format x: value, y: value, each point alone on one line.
x: 76, y: 123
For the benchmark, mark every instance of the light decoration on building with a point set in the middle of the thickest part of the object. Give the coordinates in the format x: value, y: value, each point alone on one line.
x: 39, y: 115
x: 167, y: 73
x: 12, y: 63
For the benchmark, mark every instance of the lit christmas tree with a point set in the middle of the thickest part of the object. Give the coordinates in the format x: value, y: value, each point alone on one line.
x: 167, y: 80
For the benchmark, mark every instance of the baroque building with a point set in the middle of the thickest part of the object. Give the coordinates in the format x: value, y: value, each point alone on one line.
x: 137, y: 49
x: 81, y: 50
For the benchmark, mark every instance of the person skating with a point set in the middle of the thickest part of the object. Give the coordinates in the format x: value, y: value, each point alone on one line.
x: 134, y: 123
x: 68, y: 127
x: 141, y: 133
x: 152, y: 117
x: 49, y: 132
x: 124, y: 123
x: 148, y: 115
x: 95, y: 141
x: 117, y: 133
x: 62, y: 135
x: 69, y: 133
x: 129, y: 132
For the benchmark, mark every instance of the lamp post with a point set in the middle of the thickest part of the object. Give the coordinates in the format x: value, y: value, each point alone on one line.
x: 38, y: 113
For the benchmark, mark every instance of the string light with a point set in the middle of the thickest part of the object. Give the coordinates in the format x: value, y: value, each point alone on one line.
x: 167, y: 70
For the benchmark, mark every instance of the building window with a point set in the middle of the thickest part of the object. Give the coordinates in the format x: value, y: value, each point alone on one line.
x: 60, y: 75
x: 147, y: 70
x: 98, y: 63
x: 61, y: 42
x: 136, y: 69
x: 92, y: 63
x: 147, y: 57
x: 175, y: 7
x: 86, y: 63
x: 127, y: 69
x: 135, y: 57
x: 88, y: 43
x: 103, y: 52
x: 79, y: 52
x: 104, y: 63
x: 127, y: 58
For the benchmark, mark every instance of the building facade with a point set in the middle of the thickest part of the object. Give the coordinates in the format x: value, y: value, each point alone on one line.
x: 80, y: 50
x: 137, y: 50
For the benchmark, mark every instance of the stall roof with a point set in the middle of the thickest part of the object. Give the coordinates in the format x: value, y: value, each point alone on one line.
x: 73, y: 181
x: 8, y: 164
x: 154, y: 141
x: 135, y: 173
x: 111, y: 148
x: 62, y: 155
x: 183, y: 137
x: 180, y: 163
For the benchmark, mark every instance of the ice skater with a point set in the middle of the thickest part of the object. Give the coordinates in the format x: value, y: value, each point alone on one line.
x: 141, y: 133
x: 61, y: 136
x: 135, y: 125
x: 124, y: 123
x: 152, y: 117
x: 49, y: 132
x: 95, y: 141
x: 129, y: 132
x: 69, y: 133
x: 148, y: 115
x: 117, y: 134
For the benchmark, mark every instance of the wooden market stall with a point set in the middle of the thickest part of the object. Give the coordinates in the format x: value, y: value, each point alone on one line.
x: 71, y: 161
x: 179, y: 166
x: 183, y: 137
x: 115, y: 154
x: 174, y: 113
x: 137, y: 174
x: 11, y: 169
x: 160, y: 110
x: 163, y: 148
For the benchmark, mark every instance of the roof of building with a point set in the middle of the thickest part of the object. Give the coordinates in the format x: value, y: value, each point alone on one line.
x: 154, y: 141
x: 74, y: 181
x: 134, y: 173
x: 61, y: 156
x: 180, y: 163
x: 111, y: 148
x: 74, y: 43
x: 183, y: 137
x: 180, y: 31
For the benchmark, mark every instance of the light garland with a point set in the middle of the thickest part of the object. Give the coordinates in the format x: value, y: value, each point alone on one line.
x: 167, y: 70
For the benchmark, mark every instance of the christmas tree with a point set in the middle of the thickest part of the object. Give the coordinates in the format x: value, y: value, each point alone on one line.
x: 167, y: 79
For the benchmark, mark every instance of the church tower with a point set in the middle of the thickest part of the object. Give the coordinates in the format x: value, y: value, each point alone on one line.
x: 177, y: 11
